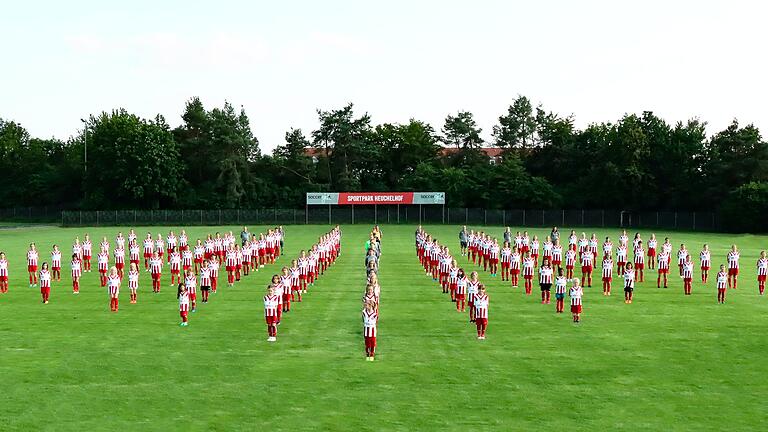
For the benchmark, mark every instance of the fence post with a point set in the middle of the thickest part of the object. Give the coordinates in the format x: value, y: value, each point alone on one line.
x: 329, y: 214
x: 449, y: 214
x: 238, y: 216
x: 485, y: 217
x: 675, y: 220
x: 219, y: 216
x: 602, y: 218
x: 582, y: 217
x: 353, y: 214
x: 81, y: 215
x: 657, y: 219
x: 419, y: 214
x: 713, y: 221
x: 694, y: 221
x: 466, y: 215
x: 503, y: 218
x: 443, y: 214
x: 97, y: 218
x: 398, y: 213
x: 563, y: 224
x: 62, y: 218
x: 406, y: 215
x: 387, y: 214
x: 523, y: 217
x: 542, y: 218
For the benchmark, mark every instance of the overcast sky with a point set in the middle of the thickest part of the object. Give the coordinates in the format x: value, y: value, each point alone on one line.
x: 394, y: 59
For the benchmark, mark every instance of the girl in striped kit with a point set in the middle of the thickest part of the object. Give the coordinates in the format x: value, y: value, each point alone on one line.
x: 687, y: 275
x: 762, y: 271
x: 183, y: 296
x: 174, y: 260
x: 481, y: 311
x: 528, y: 273
x: 3, y: 273
x: 629, y: 283
x: 472, y: 286
x: 45, y: 282
x: 607, y: 274
x: 32, y: 258
x: 205, y: 280
x: 190, y: 281
x: 103, y: 266
x: 576, y: 292
x: 56, y: 263
x: 77, y: 271
x: 561, y: 283
x: 133, y: 282
x: 705, y: 257
x: 722, y: 284
x: 113, y: 287
x: 370, y: 324
x: 271, y: 308
x: 546, y: 276
x: 461, y: 290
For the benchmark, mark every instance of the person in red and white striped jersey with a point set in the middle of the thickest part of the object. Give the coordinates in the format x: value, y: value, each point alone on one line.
x: 120, y: 241
x: 133, y: 282
x: 205, y: 280
x: 77, y: 272
x: 762, y: 272
x: 120, y: 260
x: 652, y: 245
x: 453, y: 277
x: 171, y: 241
x: 561, y: 284
x: 238, y: 262
x: 493, y: 254
x: 557, y: 255
x: 134, y: 253
x: 303, y: 270
x: 514, y: 266
x: 174, y: 261
x: 621, y: 258
x: 682, y: 253
x: 295, y: 286
x: 607, y: 274
x: 461, y: 290
x: 45, y: 282
x: 209, y: 247
x: 214, y: 265
x: 190, y: 281
x: 687, y: 275
x: 587, y: 266
x: 546, y: 277
x: 183, y: 296
x: 639, y: 261
x: 481, y: 311
x: 32, y: 257
x: 528, y: 273
x: 160, y: 246
x: 230, y: 266
x: 472, y: 286
x: 104, y: 245
x: 370, y: 329
x: 506, y: 257
x: 576, y: 292
x: 186, y: 260
x: 113, y: 287
x: 87, y: 254
x: 722, y: 284
x: 149, y: 250
x: 132, y: 238
x: 593, y: 243
x: 3, y: 273
x: 535, y: 248
x: 199, y: 255
x: 247, y: 257
x: 570, y: 262
x: 663, y: 261
x: 629, y: 283
x: 546, y: 250
x: 444, y: 262
x: 183, y: 241
x: 156, y: 270
x: 285, y: 285
x: 733, y: 267
x: 705, y: 258
x: 56, y: 263
x: 271, y: 308
x: 103, y: 266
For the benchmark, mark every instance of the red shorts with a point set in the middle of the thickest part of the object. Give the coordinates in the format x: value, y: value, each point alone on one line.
x: 504, y: 265
x: 156, y: 276
x: 576, y: 309
x: 3, y: 278
x: 525, y: 249
x: 270, y: 319
x: 238, y: 267
x: 528, y: 277
x: 733, y: 272
x: 639, y: 266
x: 705, y: 268
x: 481, y: 321
x: 651, y: 252
x: 663, y: 271
x: 192, y: 296
x: 761, y: 278
x: 270, y: 251
x: 230, y: 268
x: 721, y: 290
x: 302, y: 277
x: 32, y: 268
x: 207, y: 255
x: 557, y: 262
x: 370, y: 341
x: 494, y: 260
x: 134, y: 261
x: 87, y: 257
x: 586, y: 269
x: 607, y: 279
x: 262, y: 252
x: 687, y: 280
x: 56, y: 268
x: 515, y: 272
x: 119, y: 266
x: 460, y: 296
x: 198, y: 260
x: 174, y: 271
x: 569, y: 267
x: 147, y: 255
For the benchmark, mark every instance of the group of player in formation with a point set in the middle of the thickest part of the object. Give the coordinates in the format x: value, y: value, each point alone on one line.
x: 293, y: 282
x: 520, y: 254
x: 190, y: 265
x: 372, y: 293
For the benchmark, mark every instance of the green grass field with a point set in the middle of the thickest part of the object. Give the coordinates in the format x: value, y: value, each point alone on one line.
x: 666, y: 362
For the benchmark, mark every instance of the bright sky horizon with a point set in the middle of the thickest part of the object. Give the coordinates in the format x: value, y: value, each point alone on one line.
x: 396, y: 60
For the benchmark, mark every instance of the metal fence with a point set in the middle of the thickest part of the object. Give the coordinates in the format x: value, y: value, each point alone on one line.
x: 369, y: 214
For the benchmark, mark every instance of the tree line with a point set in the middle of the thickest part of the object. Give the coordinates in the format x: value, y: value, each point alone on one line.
x: 213, y: 160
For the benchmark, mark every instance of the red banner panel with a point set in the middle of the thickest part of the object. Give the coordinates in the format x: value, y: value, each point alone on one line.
x: 362, y: 198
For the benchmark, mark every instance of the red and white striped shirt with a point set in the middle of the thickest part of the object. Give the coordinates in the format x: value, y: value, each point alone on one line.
x: 113, y: 285
x: 231, y: 258
x: 560, y: 285
x: 134, y: 251
x: 528, y: 266
x: 587, y: 258
x: 681, y: 255
x: 535, y: 248
x: 87, y: 248
x: 214, y: 267
x: 370, y: 323
x: 639, y: 255
x: 481, y: 306
x: 77, y: 269
x: 705, y: 257
x: 149, y: 246
x: 270, y: 305
x: 77, y: 249
x: 570, y: 258
x: 664, y: 260
x: 119, y: 255
x: 175, y: 262
x: 133, y: 279
x: 733, y: 259
x: 688, y: 270
x: 762, y: 267
x: 184, y: 302
x: 191, y: 283
x: 32, y: 258
x: 722, y: 280
x: 205, y: 277
x: 186, y: 259
x: 4, y: 267
x: 155, y: 265
x: 45, y: 279
x: 461, y: 285
x: 56, y: 259
x: 608, y: 268
x: 545, y: 275
x: 629, y: 278
x: 621, y: 254
x: 199, y: 252
x: 575, y: 293
x: 103, y: 259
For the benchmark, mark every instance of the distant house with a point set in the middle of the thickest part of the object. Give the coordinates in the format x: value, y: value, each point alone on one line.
x: 494, y: 153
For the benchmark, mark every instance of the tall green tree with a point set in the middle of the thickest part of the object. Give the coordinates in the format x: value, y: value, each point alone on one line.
x: 516, y: 129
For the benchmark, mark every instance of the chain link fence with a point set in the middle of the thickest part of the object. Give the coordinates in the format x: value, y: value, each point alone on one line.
x: 369, y: 214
